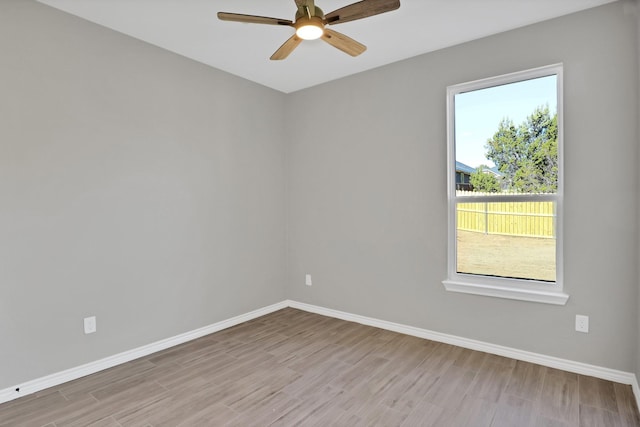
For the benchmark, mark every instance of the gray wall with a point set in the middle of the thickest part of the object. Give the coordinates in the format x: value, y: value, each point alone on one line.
x: 636, y: 10
x: 149, y: 190
x: 135, y: 185
x: 367, y: 201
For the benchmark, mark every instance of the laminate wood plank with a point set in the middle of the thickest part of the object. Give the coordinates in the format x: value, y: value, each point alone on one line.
x: 490, y: 380
x: 344, y: 419
x: 222, y: 368
x: 79, y: 389
x: 293, y: 368
x: 42, y: 411
x: 381, y: 381
x: 124, y: 387
x: 258, y: 389
x: 350, y: 339
x: 597, y: 417
x: 359, y: 402
x: 24, y: 400
x: 140, y: 415
x: 302, y: 353
x: 358, y: 350
x: 325, y: 403
x: 139, y: 397
x: 171, y: 410
x: 470, y: 359
x: 308, y: 361
x: 542, y: 421
x: 315, y: 377
x: 597, y: 393
x: 245, y: 349
x: 500, y: 360
x: 526, y: 380
x: 326, y: 406
x: 439, y: 358
x: 627, y: 407
x: 388, y: 336
x: 290, y: 346
x: 187, y: 348
x: 559, y: 399
x: 424, y: 414
x: 240, y: 393
x: 215, y: 415
x: 410, y: 391
x: 514, y: 411
x: 371, y: 394
x: 31, y: 405
x: 188, y: 395
x: 405, y: 353
x: 451, y: 387
x: 472, y: 412
x: 358, y: 373
x: 382, y: 416
x: 270, y: 338
x: 265, y: 411
x: 106, y: 422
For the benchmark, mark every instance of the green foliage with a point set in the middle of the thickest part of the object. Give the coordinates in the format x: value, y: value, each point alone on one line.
x: 484, y: 181
x: 527, y: 155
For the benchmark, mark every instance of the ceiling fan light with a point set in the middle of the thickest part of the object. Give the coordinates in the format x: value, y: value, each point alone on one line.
x: 309, y: 32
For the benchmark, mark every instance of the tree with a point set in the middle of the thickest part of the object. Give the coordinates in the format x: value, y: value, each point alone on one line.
x: 484, y: 181
x: 527, y: 155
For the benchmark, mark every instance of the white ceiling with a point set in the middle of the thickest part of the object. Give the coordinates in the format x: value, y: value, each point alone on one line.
x: 191, y: 28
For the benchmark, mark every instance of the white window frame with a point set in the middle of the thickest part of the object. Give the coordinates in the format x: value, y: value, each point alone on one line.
x: 519, y: 289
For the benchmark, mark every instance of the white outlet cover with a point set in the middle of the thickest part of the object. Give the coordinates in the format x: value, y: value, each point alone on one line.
x: 89, y: 325
x: 582, y: 323
x: 307, y: 280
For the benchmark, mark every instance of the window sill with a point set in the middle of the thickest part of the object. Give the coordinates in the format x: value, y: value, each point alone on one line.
x: 557, y: 298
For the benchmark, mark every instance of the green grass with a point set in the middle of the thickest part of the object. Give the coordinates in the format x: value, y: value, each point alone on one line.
x: 506, y: 256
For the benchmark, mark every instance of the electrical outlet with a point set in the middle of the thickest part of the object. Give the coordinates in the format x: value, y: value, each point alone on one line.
x: 307, y: 280
x: 89, y: 325
x: 582, y: 323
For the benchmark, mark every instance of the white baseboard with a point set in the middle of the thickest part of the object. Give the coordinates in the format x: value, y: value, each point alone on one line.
x: 540, y: 359
x: 636, y: 390
x: 58, y: 378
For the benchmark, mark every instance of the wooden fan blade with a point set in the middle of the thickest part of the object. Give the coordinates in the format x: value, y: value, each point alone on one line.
x: 286, y: 48
x: 361, y: 9
x: 253, y: 19
x: 342, y: 42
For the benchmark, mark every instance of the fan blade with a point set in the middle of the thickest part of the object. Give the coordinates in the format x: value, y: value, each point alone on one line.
x: 286, y: 48
x: 361, y: 9
x: 253, y: 19
x: 342, y: 42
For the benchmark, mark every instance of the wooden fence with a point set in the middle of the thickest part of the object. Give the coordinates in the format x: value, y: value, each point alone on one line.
x: 532, y: 219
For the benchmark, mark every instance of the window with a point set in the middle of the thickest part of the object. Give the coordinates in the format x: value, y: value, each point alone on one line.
x: 505, y: 186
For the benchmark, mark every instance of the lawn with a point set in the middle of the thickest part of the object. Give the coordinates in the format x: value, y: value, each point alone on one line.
x: 506, y: 256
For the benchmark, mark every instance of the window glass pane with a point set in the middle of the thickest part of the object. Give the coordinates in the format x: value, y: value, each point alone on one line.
x: 507, y: 239
x: 506, y: 138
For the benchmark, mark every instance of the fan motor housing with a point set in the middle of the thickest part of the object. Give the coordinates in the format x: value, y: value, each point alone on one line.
x: 304, y: 21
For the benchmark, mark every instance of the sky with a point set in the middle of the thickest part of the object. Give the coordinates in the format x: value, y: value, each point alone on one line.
x: 478, y: 113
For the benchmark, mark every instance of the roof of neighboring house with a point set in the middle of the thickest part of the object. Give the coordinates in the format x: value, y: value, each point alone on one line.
x: 494, y: 170
x: 461, y: 167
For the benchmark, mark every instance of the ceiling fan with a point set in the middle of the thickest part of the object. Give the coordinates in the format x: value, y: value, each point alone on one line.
x: 310, y: 24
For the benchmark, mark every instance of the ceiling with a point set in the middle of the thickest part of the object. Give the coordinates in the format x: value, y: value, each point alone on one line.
x: 191, y: 28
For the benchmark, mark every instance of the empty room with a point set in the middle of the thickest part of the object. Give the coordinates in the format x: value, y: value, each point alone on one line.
x: 279, y: 212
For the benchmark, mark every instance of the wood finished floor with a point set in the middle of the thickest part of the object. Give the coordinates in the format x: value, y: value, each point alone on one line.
x: 296, y: 368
